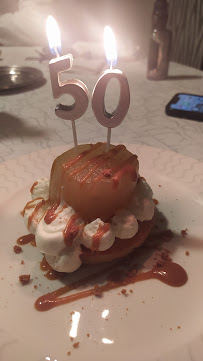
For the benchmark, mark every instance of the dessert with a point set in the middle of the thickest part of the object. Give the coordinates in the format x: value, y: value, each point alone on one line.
x: 95, y: 208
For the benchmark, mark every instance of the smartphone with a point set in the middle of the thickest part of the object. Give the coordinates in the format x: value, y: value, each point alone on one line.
x: 187, y: 106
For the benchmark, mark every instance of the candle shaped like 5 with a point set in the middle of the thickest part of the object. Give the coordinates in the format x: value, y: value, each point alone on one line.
x: 76, y: 88
x: 98, y: 105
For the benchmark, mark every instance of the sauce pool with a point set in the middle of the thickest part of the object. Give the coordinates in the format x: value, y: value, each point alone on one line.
x: 28, y: 238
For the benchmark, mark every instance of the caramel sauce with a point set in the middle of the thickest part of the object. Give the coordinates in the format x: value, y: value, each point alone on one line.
x: 51, y: 215
x: 33, y: 243
x: 29, y: 205
x: 51, y: 274
x: 36, y: 209
x: 98, y: 160
x: 80, y: 156
x: 102, y: 229
x: 33, y: 186
x: 71, y: 231
x: 126, y: 168
x: 28, y: 238
x: 170, y: 273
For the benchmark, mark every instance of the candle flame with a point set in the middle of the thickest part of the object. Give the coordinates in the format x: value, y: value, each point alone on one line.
x: 110, y: 46
x: 53, y: 34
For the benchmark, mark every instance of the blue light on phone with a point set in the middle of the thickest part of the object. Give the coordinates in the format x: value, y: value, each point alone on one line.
x: 190, y: 103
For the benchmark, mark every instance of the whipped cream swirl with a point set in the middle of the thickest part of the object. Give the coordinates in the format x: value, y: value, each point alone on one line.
x: 59, y: 230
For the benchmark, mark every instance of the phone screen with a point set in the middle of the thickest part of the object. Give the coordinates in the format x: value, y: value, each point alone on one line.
x: 187, y: 102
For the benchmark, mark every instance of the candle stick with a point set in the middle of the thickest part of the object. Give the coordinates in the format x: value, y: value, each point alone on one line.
x: 103, y: 117
x: 76, y: 88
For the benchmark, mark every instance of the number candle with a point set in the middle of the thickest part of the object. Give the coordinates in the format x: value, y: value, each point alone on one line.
x: 98, y: 105
x: 76, y: 88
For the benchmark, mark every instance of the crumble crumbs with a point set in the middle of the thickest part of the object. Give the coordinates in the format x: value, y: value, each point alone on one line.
x: 17, y: 249
x: 97, y: 291
x: 24, y: 279
x: 165, y: 256
x: 187, y: 253
x: 68, y: 353
x: 123, y: 291
x: 159, y: 263
x: 76, y: 344
x: 107, y: 172
x: 184, y: 232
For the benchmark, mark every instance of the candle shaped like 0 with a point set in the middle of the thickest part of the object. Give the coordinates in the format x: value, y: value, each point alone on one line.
x: 98, y: 105
x: 76, y: 88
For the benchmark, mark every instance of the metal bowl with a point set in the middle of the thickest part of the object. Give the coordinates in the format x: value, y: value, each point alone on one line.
x: 12, y: 77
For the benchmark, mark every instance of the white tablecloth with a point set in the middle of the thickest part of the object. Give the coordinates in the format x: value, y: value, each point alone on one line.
x: 28, y: 122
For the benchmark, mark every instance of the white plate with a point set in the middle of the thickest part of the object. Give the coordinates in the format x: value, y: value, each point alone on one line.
x: 148, y: 330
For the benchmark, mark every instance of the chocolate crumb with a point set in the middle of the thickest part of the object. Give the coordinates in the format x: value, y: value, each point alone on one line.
x: 165, y: 256
x: 155, y: 201
x: 76, y: 344
x: 71, y: 338
x: 35, y: 286
x: 107, y: 172
x: 22, y: 262
x: 88, y: 335
x: 68, y: 353
x: 178, y: 327
x: 159, y: 263
x: 187, y: 253
x: 159, y: 185
x: 17, y: 249
x: 132, y: 272
x: 123, y: 291
x: 24, y: 279
x: 131, y: 291
x: 170, y: 328
x: 97, y: 291
x: 184, y: 232
x: 167, y: 235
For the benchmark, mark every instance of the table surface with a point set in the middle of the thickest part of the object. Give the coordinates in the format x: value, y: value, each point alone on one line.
x: 28, y: 122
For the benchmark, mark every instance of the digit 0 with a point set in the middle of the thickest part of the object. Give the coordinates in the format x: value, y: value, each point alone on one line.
x: 98, y: 105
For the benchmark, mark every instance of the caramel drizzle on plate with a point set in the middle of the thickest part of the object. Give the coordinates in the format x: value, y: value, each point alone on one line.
x: 170, y: 273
